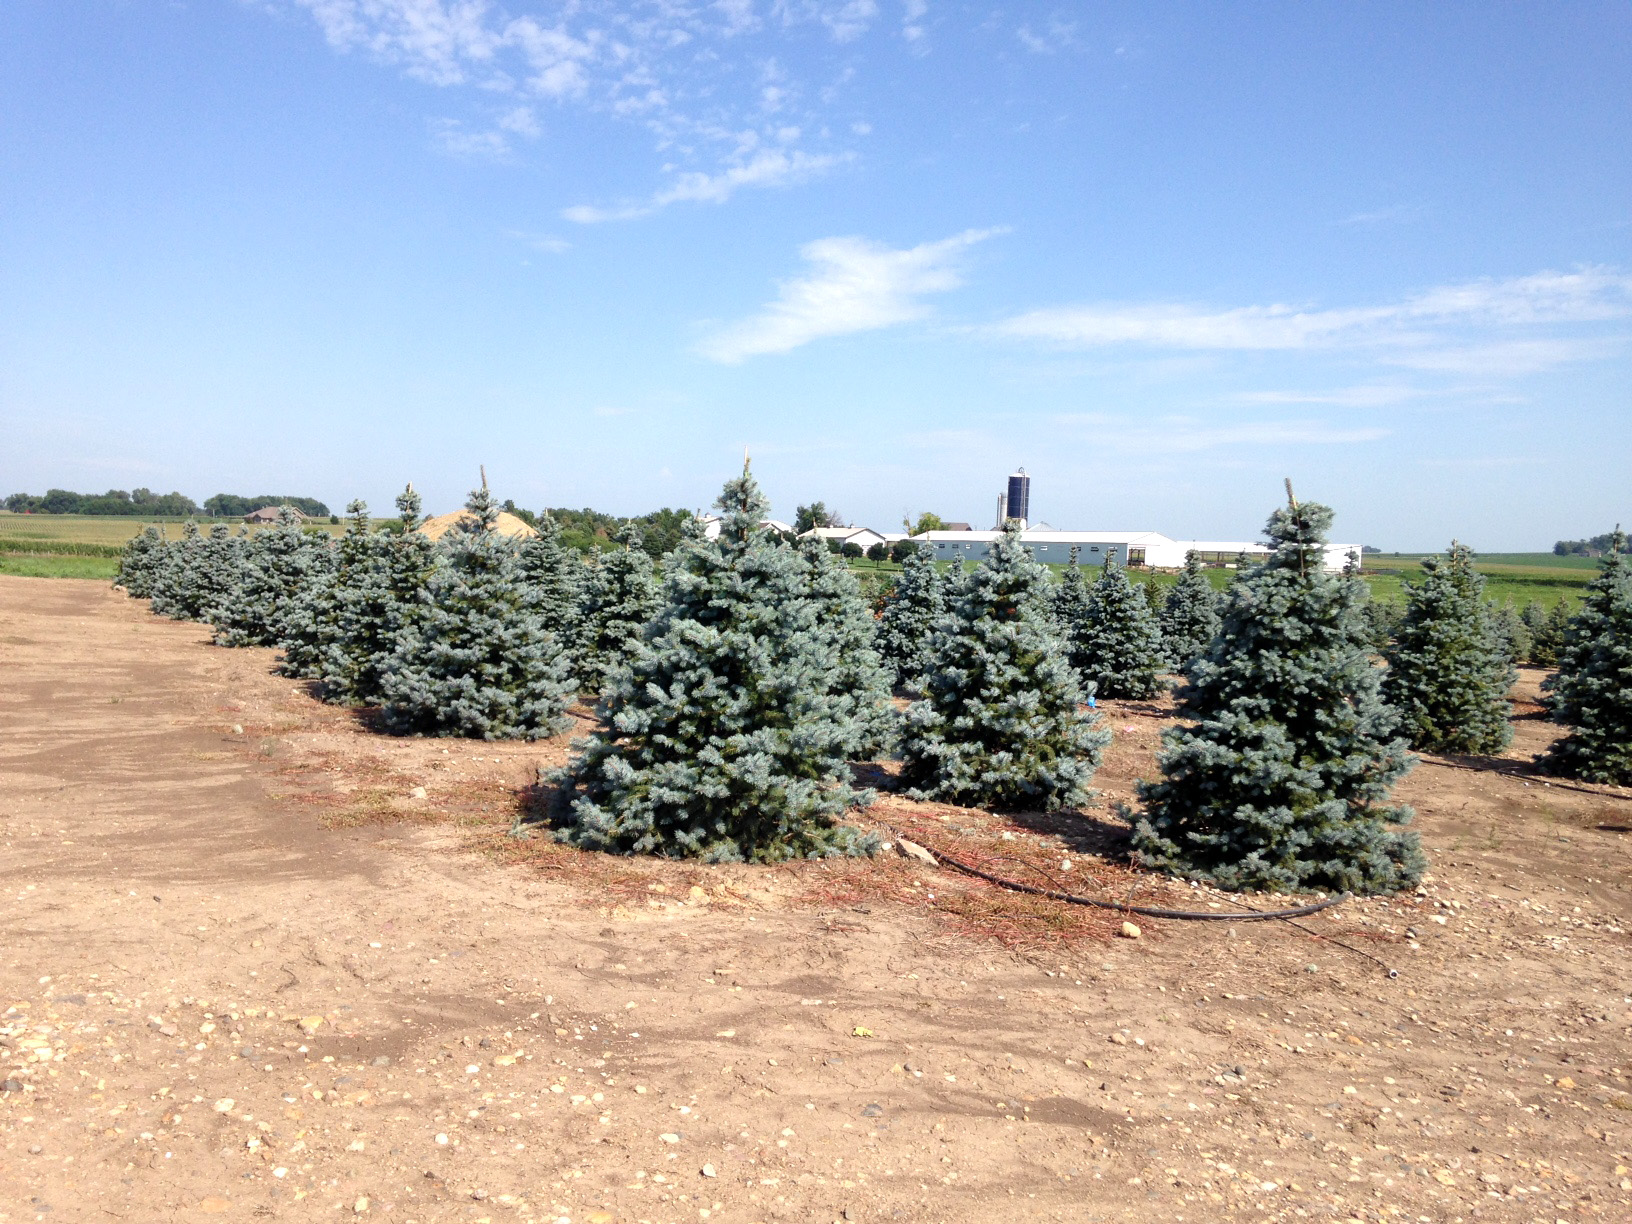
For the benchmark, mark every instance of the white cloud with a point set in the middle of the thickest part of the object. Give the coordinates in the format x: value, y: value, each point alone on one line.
x: 1445, y: 328
x: 1371, y: 395
x: 1185, y: 434
x: 855, y: 285
x: 1507, y: 358
x: 547, y: 244
x: 912, y: 19
x: 453, y: 138
x: 768, y: 168
x: 680, y: 68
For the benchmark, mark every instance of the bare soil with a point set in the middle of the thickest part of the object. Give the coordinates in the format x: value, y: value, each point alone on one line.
x: 248, y: 970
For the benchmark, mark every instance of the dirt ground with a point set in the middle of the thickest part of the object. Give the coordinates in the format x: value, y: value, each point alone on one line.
x: 261, y: 962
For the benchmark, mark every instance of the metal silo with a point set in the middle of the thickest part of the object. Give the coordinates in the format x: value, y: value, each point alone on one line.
x: 1019, y: 499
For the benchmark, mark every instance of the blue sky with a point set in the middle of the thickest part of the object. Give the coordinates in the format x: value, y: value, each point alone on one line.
x: 1162, y: 255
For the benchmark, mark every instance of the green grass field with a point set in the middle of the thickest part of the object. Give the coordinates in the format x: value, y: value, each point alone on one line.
x: 87, y: 546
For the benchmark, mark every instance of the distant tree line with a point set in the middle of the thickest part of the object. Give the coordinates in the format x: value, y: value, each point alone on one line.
x: 158, y: 505
x: 590, y: 531
x: 114, y: 501
x: 1597, y: 546
x: 230, y: 505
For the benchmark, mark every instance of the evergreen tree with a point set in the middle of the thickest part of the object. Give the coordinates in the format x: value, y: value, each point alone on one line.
x: 910, y: 613
x: 999, y: 724
x: 1380, y: 619
x: 1547, y: 633
x: 139, y: 560
x: 175, y: 592
x: 279, y: 565
x: 382, y: 596
x: 847, y: 632
x: 725, y: 739
x: 1069, y: 605
x: 1276, y: 782
x: 618, y: 597
x: 554, y: 575
x: 478, y: 661
x: 1189, y: 616
x: 1512, y: 634
x: 1116, y: 640
x: 1592, y: 689
x: 312, y: 628
x: 1448, y: 671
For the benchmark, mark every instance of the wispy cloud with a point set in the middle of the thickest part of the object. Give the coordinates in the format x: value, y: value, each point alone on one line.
x: 1394, y: 214
x: 547, y: 244
x: 1371, y: 395
x: 1435, y: 329
x: 1188, y: 434
x: 854, y: 285
x: 768, y: 168
x: 1048, y: 37
x: 456, y: 140
x: 707, y: 80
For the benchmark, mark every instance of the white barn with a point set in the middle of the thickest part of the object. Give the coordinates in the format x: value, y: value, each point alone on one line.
x: 1149, y: 549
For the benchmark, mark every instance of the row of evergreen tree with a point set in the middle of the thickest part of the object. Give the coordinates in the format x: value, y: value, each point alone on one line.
x: 738, y: 687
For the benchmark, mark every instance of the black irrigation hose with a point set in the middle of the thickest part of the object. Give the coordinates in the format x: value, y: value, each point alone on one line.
x: 1550, y: 783
x: 1121, y: 907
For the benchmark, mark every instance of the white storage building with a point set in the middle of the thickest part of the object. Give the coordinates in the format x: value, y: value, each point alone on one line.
x: 1149, y: 549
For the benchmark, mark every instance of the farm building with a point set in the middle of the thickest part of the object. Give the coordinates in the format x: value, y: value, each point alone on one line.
x: 711, y: 526
x: 862, y: 537
x: 1149, y: 549
x: 267, y: 515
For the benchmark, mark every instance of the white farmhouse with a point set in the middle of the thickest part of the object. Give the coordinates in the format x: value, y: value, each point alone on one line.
x: 863, y: 537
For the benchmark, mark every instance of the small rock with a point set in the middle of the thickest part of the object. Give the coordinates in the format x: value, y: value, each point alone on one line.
x: 167, y: 1030
x: 310, y: 1024
x: 237, y: 728
x: 247, y: 1052
x: 11, y: 1085
x: 35, y: 1150
x: 224, y: 1105
x: 382, y: 1061
x: 1065, y: 864
x: 872, y: 1111
x: 1311, y: 968
x: 697, y: 893
x: 1130, y: 931
x: 418, y: 792
x: 1118, y: 1039
x: 478, y: 1195
x: 214, y: 1204
x: 708, y: 1170
x: 670, y: 1138
x: 486, y: 1043
x: 911, y: 849
x: 361, y: 1205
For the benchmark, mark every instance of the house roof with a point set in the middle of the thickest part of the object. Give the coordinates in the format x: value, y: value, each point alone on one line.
x: 270, y: 514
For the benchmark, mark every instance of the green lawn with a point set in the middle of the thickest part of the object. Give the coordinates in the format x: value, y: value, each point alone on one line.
x: 38, y: 565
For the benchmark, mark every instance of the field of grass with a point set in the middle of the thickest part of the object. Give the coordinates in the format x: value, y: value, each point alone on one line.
x: 38, y: 565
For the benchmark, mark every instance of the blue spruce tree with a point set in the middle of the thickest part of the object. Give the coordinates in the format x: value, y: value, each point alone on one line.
x: 172, y: 580
x: 911, y: 611
x: 478, y: 660
x: 1189, y: 615
x: 313, y: 628
x: 1592, y: 689
x: 1448, y: 671
x: 999, y: 724
x: 725, y: 739
x: 139, y: 560
x: 1278, y: 779
x: 1071, y: 605
x: 279, y: 565
x: 847, y: 632
x: 1116, y: 642
x: 554, y: 575
x: 616, y: 600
